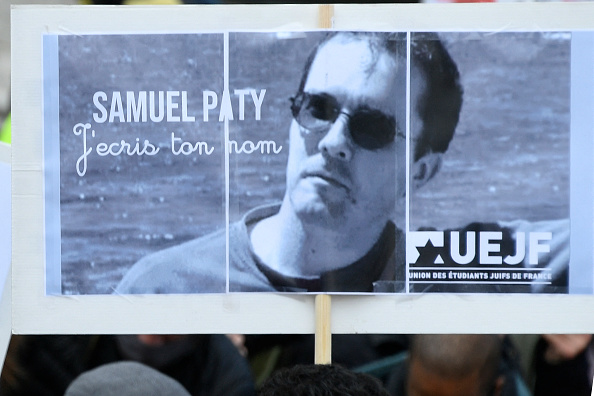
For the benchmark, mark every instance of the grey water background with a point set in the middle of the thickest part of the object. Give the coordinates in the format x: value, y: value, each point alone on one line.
x: 127, y: 206
x: 508, y: 160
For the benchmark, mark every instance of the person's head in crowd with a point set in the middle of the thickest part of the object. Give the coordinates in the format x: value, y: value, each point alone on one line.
x: 454, y: 365
x: 125, y: 379
x: 320, y: 380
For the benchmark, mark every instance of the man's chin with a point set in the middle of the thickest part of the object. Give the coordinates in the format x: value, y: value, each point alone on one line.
x: 314, y: 209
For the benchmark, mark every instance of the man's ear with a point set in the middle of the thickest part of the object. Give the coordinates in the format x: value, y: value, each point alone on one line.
x: 425, y: 168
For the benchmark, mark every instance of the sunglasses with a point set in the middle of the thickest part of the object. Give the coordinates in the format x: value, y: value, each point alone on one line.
x: 369, y: 128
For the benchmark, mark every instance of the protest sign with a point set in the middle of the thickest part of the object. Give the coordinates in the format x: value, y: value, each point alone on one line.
x: 169, y: 165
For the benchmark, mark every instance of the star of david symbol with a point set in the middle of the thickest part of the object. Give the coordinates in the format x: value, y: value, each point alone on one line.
x: 429, y: 254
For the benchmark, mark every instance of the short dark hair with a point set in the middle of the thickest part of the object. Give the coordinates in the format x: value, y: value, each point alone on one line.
x: 393, y: 43
x: 459, y: 355
x: 439, y: 106
x: 320, y: 380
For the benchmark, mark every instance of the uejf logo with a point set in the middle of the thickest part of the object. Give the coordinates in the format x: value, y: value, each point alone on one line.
x: 472, y: 247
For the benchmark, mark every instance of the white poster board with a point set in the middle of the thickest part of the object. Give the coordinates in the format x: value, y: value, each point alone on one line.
x: 5, y: 251
x: 293, y: 313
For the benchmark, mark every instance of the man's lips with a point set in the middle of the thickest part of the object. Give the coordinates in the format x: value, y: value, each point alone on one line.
x: 327, y: 177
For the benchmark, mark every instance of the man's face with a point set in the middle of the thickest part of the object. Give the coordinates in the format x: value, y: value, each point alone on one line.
x: 333, y: 181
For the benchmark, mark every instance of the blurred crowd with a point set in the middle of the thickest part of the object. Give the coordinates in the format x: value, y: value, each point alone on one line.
x: 413, y: 365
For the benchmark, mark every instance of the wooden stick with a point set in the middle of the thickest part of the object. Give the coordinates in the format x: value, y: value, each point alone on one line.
x: 325, y: 14
x: 323, y: 343
x: 323, y: 352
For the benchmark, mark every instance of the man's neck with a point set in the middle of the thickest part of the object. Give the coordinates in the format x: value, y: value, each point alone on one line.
x: 291, y: 247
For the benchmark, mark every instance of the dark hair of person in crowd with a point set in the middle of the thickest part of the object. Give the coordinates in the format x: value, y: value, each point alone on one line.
x: 320, y: 380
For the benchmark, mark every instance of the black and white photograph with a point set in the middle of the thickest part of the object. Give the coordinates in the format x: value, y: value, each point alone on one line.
x: 325, y: 209
x: 278, y: 162
x: 489, y: 206
x: 317, y: 163
x: 141, y: 155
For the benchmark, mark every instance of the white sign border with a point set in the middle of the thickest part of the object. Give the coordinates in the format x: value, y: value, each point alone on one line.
x: 35, y: 313
x: 5, y: 277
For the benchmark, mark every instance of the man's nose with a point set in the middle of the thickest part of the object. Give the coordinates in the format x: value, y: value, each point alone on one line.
x: 337, y: 142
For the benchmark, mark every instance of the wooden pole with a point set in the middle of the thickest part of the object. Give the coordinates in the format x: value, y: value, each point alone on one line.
x: 323, y: 352
x: 323, y: 342
x: 325, y: 15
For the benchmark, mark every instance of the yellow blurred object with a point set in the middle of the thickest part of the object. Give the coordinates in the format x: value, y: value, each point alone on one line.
x: 140, y: 2
x: 151, y: 2
x: 5, y: 134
